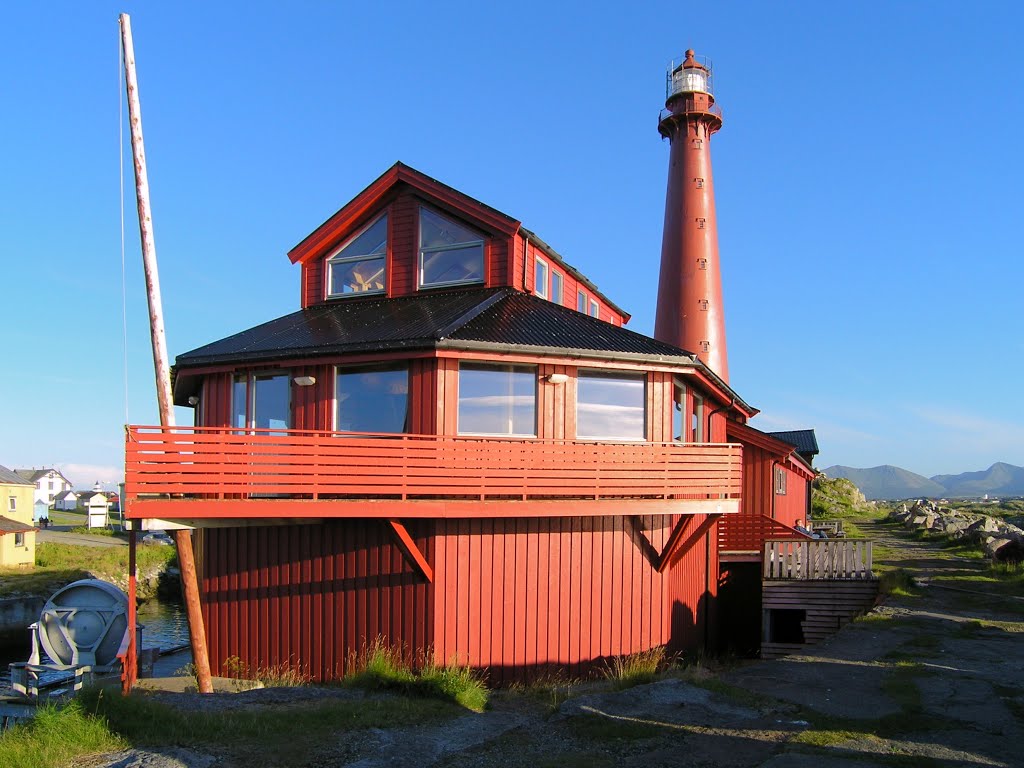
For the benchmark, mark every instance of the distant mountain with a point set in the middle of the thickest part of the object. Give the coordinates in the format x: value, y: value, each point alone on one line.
x: 998, y: 480
x: 888, y: 482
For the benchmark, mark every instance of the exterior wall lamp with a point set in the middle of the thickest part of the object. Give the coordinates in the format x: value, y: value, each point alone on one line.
x: 305, y: 381
x: 193, y: 400
x: 557, y: 378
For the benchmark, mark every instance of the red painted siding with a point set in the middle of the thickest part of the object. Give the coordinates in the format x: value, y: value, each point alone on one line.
x: 308, y: 596
x: 791, y: 507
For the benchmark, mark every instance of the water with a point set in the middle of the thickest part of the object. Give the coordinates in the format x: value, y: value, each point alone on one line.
x: 164, y: 626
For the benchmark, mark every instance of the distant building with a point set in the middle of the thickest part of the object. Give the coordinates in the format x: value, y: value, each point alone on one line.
x: 48, y: 483
x: 17, y: 533
x: 66, y: 501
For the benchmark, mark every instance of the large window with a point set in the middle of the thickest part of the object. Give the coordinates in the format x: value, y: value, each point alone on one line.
x: 497, y: 400
x: 358, y: 265
x: 372, y: 399
x: 262, y: 401
x: 450, y: 254
x: 611, y: 406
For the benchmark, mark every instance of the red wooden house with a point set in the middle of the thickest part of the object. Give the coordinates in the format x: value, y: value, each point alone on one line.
x: 453, y: 445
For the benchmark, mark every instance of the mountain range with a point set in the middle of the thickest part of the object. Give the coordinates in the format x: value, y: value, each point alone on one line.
x: 889, y: 482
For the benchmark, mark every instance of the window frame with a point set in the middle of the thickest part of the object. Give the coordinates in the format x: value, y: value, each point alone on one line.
x: 19, y: 539
x: 581, y: 302
x: 595, y: 308
x: 466, y: 245
x: 333, y: 258
x: 603, y: 374
x: 496, y: 366
x: 250, y: 378
x: 780, y: 481
x: 12, y: 503
x: 540, y: 284
x: 555, y: 274
x: 369, y: 368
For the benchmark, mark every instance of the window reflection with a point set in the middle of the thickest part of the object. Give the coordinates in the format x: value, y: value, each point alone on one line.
x: 358, y: 266
x: 449, y: 252
x: 261, y: 400
x: 497, y: 400
x: 372, y: 399
x: 611, y: 406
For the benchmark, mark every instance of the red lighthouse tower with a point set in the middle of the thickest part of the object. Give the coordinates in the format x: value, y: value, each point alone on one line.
x: 690, y: 312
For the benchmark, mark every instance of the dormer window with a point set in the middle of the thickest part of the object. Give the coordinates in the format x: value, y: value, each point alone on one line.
x: 450, y: 254
x: 358, y: 265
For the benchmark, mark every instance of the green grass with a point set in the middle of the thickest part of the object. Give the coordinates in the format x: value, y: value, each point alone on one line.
x: 897, y: 582
x: 636, y: 668
x: 277, y: 738
x: 56, y: 737
x: 61, y: 564
x: 381, y: 667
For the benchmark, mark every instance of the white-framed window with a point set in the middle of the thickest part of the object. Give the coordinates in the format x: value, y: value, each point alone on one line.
x: 540, y: 277
x: 19, y: 539
x: 611, y: 406
x: 261, y: 401
x: 557, y: 286
x: 450, y: 253
x: 780, y: 481
x: 12, y: 504
x: 358, y: 266
x: 594, y: 308
x: 497, y: 400
x: 371, y: 398
x: 581, y: 302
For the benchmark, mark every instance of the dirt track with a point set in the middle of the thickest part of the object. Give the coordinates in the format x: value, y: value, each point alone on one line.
x: 932, y: 679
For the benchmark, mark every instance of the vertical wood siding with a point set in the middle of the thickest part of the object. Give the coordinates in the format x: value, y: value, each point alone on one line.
x: 791, y: 507
x: 758, y: 490
x: 306, y: 597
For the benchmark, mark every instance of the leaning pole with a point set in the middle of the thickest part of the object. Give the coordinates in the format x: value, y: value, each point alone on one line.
x: 183, y: 537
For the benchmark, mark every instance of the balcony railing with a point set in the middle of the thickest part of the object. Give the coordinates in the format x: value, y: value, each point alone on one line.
x: 748, y: 533
x: 818, y: 559
x: 223, y: 463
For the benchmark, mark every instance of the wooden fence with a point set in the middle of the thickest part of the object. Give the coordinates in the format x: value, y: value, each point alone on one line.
x: 817, y: 559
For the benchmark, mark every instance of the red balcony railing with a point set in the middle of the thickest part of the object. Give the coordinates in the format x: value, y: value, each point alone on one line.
x: 748, y: 533
x: 222, y: 463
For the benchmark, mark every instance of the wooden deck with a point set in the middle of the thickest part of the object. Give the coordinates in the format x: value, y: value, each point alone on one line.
x: 205, y: 472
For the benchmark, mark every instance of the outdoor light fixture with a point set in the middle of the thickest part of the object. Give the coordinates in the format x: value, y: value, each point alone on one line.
x: 557, y: 378
x: 193, y: 400
x: 305, y: 381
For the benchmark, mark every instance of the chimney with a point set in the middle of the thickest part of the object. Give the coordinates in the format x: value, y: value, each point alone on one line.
x: 690, y: 313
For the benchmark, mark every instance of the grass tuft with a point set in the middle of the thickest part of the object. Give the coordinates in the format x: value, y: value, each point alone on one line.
x: 636, y: 668
x: 57, y: 736
x: 383, y: 667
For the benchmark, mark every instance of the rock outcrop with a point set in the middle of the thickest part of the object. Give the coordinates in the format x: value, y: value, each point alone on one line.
x: 1002, y: 540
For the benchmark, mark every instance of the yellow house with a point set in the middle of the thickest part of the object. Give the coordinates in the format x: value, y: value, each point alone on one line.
x: 17, y: 534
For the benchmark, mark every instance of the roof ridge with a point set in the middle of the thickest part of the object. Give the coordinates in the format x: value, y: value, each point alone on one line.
x: 476, y: 311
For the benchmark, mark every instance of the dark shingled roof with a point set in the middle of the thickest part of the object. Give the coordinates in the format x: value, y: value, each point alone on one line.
x: 13, y: 526
x: 502, y: 316
x: 804, y: 440
x: 9, y: 477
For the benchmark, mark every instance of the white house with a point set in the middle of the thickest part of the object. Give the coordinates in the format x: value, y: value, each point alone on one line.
x: 96, y: 505
x: 48, y: 482
x: 66, y: 500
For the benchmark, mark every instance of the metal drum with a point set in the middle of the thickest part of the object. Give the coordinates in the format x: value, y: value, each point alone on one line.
x: 84, y: 624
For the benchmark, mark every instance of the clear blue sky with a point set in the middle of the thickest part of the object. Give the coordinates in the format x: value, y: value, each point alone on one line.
x: 868, y: 181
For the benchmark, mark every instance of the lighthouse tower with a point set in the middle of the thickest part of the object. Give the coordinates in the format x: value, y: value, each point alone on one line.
x: 690, y: 312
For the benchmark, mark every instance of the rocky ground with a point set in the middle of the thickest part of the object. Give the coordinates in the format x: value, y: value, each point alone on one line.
x: 931, y: 678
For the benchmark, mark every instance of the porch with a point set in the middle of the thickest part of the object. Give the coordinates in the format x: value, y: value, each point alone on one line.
x: 215, y: 475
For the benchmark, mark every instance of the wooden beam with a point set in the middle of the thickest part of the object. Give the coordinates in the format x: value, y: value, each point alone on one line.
x: 673, y: 547
x: 195, y: 510
x: 410, y: 550
x: 635, y: 531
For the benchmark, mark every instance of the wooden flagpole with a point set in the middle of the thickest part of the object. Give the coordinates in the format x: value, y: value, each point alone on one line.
x: 183, y: 538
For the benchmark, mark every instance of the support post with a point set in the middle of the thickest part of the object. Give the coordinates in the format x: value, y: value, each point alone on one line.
x: 161, y: 366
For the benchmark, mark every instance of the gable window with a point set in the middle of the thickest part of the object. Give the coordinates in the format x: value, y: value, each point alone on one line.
x: 372, y: 399
x: 358, y: 265
x: 611, y: 406
x: 497, y: 400
x: 540, y: 278
x: 594, y: 309
x: 261, y: 401
x: 556, y: 286
x: 581, y: 302
x: 450, y: 254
